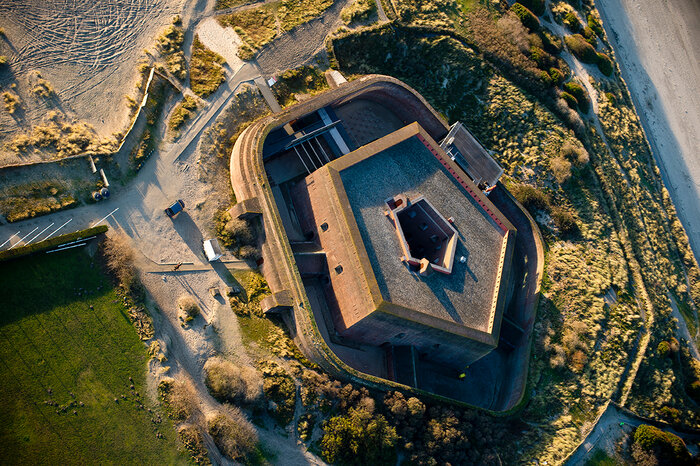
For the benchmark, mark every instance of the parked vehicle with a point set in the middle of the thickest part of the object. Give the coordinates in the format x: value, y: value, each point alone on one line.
x: 177, y: 207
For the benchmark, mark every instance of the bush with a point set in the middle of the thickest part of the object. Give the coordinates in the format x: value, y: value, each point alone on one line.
x: 665, y: 447
x: 178, y: 398
x: 233, y: 435
x: 565, y: 221
x: 595, y: 25
x: 575, y: 89
x: 119, y: 260
x: 183, y: 112
x: 280, y: 389
x: 536, y: 6
x: 605, y: 64
x: 189, y: 309
x: 570, y: 100
x: 581, y: 49
x: 530, y: 197
x: 360, y: 437
x: 3, y: 60
x: 241, y: 232
x: 229, y: 383
x: 556, y: 75
x: 359, y: 11
x: 561, y: 168
x: 578, y: 155
x: 193, y: 440
x: 571, y: 22
x: 663, y: 349
x: 528, y: 19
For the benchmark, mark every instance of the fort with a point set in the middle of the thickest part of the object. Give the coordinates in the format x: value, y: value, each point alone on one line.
x: 385, y: 255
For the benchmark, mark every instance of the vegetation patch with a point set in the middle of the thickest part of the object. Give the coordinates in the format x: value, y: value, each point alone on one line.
x: 581, y: 48
x: 302, y: 80
x: 182, y: 113
x: 206, y: 72
x: 238, y: 235
x: 259, y: 26
x: 158, y: 94
x: 74, y: 369
x: 188, y: 307
x: 230, y: 383
x: 280, y: 391
x: 169, y: 45
x: 654, y: 446
x: 234, y: 436
x: 359, y: 12
x: 11, y: 101
x: 34, y: 199
x: 59, y: 137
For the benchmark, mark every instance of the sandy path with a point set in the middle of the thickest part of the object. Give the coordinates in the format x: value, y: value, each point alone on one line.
x: 656, y: 45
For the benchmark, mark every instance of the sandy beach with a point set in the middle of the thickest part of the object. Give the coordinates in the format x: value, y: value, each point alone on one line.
x: 657, y: 45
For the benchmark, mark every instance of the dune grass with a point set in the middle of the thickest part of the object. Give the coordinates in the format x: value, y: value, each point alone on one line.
x: 206, y: 72
x: 67, y: 351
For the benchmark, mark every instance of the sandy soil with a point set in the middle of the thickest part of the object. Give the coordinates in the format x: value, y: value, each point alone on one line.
x: 223, y: 41
x: 656, y: 44
x: 87, y: 49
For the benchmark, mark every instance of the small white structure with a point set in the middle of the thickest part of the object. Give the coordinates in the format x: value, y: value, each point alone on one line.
x: 212, y: 250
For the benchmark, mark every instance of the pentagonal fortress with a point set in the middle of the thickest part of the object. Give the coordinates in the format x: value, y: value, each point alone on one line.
x: 385, y: 233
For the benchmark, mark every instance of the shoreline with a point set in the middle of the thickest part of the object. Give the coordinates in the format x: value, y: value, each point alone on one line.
x: 653, y: 45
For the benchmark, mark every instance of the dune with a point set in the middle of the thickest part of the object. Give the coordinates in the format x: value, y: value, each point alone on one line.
x: 657, y: 45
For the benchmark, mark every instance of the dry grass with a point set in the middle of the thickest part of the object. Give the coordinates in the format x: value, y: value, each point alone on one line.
x: 189, y: 309
x: 34, y: 199
x: 360, y: 11
x: 179, y: 398
x: 233, y: 435
x: 206, y: 72
x: 11, y: 101
x: 170, y: 47
x: 42, y: 87
x: 58, y: 137
x: 182, y: 113
x: 258, y: 27
x: 231, y: 383
x: 193, y: 441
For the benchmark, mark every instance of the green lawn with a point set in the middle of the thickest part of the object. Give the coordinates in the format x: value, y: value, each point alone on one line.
x: 62, y: 364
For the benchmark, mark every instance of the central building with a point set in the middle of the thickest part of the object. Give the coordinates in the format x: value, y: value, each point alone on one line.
x: 376, y: 231
x: 415, y: 251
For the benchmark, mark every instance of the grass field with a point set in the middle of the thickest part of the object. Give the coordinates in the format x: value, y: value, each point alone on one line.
x: 67, y: 351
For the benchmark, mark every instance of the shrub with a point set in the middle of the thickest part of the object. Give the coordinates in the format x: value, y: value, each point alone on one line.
x: 570, y: 100
x: 663, y: 349
x: 581, y: 49
x: 193, y: 440
x: 571, y: 22
x: 565, y: 221
x: 359, y: 11
x: 233, y: 435
x: 556, y: 75
x: 241, y: 232
x: 279, y: 388
x: 178, y: 398
x: 605, y: 64
x: 189, y: 309
x: 230, y: 383
x: 118, y: 256
x: 360, y: 437
x: 579, y: 155
x: 590, y: 36
x: 536, y: 6
x: 528, y: 19
x: 575, y: 89
x: 3, y: 60
x: 595, y: 25
x: 182, y: 113
x: 530, y: 197
x: 561, y: 168
x: 665, y: 447
x: 42, y: 88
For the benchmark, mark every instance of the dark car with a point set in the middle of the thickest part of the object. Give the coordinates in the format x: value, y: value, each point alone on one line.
x: 175, y: 209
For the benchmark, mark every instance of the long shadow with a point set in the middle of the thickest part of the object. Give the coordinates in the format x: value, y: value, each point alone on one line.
x: 190, y: 234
